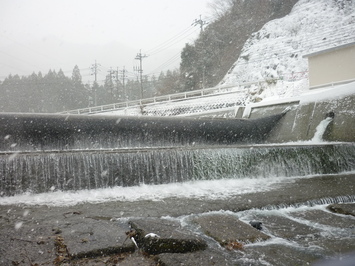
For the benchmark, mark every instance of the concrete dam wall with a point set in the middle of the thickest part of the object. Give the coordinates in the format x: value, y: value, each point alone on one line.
x: 38, y: 132
x: 306, y: 113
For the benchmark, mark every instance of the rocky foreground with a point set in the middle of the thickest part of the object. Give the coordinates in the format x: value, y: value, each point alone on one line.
x: 180, y: 231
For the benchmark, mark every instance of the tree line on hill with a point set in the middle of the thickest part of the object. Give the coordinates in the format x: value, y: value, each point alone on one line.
x: 56, y: 92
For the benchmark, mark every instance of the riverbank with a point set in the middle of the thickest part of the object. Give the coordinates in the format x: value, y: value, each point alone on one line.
x: 95, y: 234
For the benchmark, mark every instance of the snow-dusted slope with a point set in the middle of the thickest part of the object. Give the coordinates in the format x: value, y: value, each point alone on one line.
x: 275, y: 53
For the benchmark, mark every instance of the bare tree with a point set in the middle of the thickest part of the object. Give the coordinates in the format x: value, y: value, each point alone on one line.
x: 220, y: 7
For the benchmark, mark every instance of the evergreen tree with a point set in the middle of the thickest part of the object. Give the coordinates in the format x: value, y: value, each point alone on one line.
x: 189, y: 68
x: 78, y: 93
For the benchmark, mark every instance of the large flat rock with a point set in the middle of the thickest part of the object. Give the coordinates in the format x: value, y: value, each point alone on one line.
x: 207, y: 257
x: 165, y: 228
x: 346, y: 209
x: 89, y: 236
x: 282, y: 226
x: 226, y: 228
x: 170, y: 237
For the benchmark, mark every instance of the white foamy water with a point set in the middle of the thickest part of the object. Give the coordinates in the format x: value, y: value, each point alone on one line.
x: 209, y: 189
x: 318, y: 136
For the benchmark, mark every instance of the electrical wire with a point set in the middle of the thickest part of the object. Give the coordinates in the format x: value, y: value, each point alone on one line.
x: 170, y: 42
x: 169, y: 62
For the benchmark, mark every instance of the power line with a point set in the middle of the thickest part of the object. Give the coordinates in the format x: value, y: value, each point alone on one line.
x: 163, y: 46
x: 171, y: 44
x: 170, y: 61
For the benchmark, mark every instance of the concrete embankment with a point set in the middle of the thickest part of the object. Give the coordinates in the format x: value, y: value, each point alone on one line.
x: 96, y: 234
x: 307, y: 111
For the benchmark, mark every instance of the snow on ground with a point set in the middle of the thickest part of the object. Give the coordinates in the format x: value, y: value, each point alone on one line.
x: 275, y: 53
x: 316, y: 95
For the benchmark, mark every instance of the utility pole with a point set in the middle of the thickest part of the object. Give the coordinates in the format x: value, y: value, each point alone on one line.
x: 199, y: 22
x: 140, y: 57
x: 123, y: 72
x: 95, y: 69
x: 111, y: 72
x: 117, y: 87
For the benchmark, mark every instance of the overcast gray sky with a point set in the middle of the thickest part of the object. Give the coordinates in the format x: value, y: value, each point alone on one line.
x: 38, y: 35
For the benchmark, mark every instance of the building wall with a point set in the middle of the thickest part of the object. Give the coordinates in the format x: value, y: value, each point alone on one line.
x: 332, y: 66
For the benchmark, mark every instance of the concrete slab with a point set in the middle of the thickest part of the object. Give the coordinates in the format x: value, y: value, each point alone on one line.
x: 170, y: 237
x: 326, y: 218
x: 207, y: 257
x: 165, y: 228
x: 24, y: 239
x: 282, y: 226
x: 86, y: 236
x: 227, y: 228
x: 278, y: 254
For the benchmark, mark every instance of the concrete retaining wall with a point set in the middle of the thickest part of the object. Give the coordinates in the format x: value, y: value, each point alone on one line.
x: 305, y: 114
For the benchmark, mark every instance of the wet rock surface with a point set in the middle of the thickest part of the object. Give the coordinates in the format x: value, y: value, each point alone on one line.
x: 95, y: 234
x: 93, y: 237
x: 168, y: 237
x: 348, y: 209
x: 226, y: 229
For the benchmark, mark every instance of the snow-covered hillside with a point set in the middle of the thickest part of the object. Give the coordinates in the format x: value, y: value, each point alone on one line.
x: 275, y: 53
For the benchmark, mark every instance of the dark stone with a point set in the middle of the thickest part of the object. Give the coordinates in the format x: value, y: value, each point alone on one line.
x: 331, y: 114
x: 256, y: 225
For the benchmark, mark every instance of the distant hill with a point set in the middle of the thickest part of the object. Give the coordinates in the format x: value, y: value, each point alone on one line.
x: 206, y: 62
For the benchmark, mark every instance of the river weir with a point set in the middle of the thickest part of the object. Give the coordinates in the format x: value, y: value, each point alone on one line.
x: 39, y: 172
x: 41, y: 132
x: 45, y: 152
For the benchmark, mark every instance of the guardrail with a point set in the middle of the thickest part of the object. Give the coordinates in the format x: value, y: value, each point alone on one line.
x: 218, y: 90
x: 158, y: 99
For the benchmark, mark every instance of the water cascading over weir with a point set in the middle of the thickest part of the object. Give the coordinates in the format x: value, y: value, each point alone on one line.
x: 42, y: 152
x: 41, y: 132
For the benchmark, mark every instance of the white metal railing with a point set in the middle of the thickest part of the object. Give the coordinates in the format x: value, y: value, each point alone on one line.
x: 158, y: 99
x: 218, y: 90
